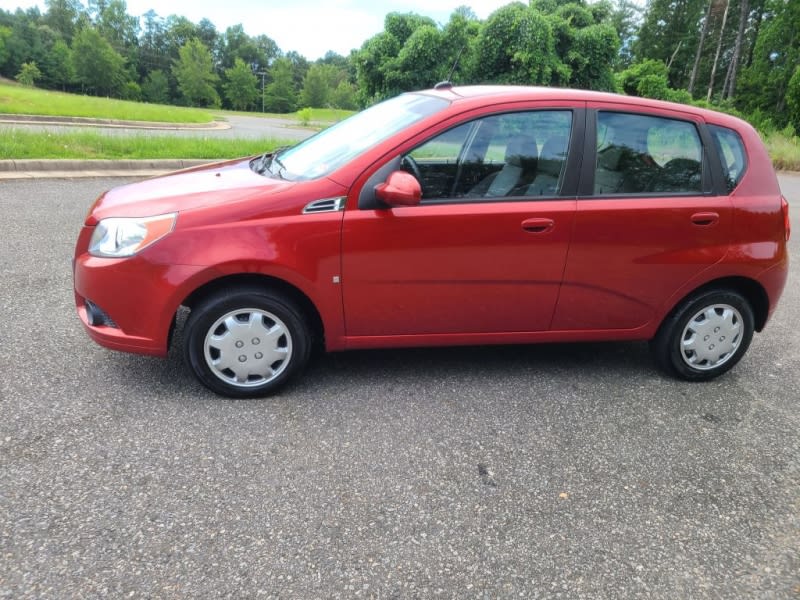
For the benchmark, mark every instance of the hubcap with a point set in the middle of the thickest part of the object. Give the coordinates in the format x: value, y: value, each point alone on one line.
x: 248, y: 347
x: 711, y: 337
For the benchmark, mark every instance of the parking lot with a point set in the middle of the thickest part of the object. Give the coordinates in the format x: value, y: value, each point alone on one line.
x: 572, y: 471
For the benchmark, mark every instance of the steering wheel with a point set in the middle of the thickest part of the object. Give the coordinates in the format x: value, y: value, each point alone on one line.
x: 408, y: 161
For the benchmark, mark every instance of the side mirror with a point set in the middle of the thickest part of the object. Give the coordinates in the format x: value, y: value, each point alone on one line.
x: 400, y: 189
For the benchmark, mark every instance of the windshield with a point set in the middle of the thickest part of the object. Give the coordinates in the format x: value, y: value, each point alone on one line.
x: 333, y: 147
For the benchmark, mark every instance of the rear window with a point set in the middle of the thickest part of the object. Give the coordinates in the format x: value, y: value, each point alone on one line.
x: 643, y: 154
x: 731, y: 154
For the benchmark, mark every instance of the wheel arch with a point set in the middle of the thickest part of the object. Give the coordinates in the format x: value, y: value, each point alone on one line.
x: 751, y: 290
x: 304, y: 303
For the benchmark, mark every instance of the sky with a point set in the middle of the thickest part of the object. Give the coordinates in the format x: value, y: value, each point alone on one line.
x: 311, y: 27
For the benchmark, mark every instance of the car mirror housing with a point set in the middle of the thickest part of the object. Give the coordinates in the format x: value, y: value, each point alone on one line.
x: 399, y: 189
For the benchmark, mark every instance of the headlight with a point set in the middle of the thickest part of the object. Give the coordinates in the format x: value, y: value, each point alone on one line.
x: 119, y: 237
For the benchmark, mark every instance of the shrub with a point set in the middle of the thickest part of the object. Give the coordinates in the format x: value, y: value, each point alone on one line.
x: 304, y: 116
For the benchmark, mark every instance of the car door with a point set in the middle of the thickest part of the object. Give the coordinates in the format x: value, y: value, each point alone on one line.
x: 649, y: 218
x: 475, y: 257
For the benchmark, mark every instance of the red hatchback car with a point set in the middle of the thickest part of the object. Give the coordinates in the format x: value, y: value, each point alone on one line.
x: 459, y: 215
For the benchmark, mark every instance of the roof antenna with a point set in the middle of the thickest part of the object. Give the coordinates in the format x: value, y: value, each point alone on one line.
x: 448, y: 83
x: 455, y: 63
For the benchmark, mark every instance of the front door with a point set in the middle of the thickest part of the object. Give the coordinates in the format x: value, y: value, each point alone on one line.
x: 485, y: 250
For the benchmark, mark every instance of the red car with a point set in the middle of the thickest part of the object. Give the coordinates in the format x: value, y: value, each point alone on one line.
x: 459, y: 215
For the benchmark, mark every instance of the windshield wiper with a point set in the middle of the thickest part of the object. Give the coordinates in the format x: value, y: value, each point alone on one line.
x: 277, y: 161
x: 266, y: 159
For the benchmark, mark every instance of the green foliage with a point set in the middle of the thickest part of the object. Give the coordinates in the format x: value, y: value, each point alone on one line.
x: 59, y: 70
x: 344, y: 96
x: 279, y: 95
x: 670, y: 28
x: 304, y: 116
x: 648, y: 79
x: 33, y: 101
x: 629, y: 79
x: 5, y: 34
x: 793, y: 100
x: 195, y: 75
x: 317, y: 86
x: 155, y: 87
x: 766, y: 84
x: 132, y: 91
x: 593, y: 51
x: 93, y: 144
x: 241, y: 86
x: 98, y: 67
x: 28, y: 74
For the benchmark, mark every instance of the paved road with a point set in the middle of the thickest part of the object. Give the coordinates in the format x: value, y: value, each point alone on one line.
x: 241, y: 127
x: 571, y: 471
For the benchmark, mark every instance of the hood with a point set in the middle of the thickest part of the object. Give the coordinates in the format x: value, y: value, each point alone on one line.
x: 193, y: 188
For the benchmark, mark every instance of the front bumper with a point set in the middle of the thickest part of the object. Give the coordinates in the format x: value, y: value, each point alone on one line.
x: 139, y: 300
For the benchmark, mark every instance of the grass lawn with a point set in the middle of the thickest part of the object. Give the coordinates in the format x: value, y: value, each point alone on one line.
x: 319, y: 116
x: 17, y: 99
x: 19, y: 144
x: 784, y: 151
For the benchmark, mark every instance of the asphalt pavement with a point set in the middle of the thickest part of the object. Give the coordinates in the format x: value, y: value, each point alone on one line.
x: 550, y: 471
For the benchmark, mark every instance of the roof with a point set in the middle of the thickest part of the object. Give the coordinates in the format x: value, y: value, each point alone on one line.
x: 511, y: 93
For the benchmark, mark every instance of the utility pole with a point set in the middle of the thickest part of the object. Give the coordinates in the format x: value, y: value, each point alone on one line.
x: 262, y: 73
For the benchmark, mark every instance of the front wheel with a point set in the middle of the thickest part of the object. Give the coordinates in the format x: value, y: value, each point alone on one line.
x: 246, y: 343
x: 706, y: 336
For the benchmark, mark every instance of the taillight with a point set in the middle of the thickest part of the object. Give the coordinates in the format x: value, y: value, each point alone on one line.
x: 787, y: 224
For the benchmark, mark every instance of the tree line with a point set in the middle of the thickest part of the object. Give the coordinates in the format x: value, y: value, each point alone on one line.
x: 739, y: 55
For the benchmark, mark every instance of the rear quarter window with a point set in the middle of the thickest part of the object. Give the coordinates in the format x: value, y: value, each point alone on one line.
x: 731, y: 154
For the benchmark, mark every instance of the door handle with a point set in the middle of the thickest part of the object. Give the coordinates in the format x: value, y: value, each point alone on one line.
x: 705, y: 219
x: 538, y: 225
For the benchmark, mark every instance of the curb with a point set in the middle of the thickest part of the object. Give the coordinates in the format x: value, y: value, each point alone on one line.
x: 15, y: 119
x: 70, y: 168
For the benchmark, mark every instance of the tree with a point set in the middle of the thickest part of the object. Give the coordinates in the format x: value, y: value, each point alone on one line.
x: 5, y: 34
x: 279, y: 95
x: 344, y: 96
x: 29, y: 74
x: 793, y: 99
x: 669, y: 34
x: 317, y: 86
x: 518, y: 45
x: 194, y: 72
x: 62, y: 16
x: 241, y: 86
x: 98, y: 67
x: 764, y: 84
x: 155, y: 87
x: 59, y: 70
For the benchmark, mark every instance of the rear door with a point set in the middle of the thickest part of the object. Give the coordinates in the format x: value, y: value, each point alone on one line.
x: 648, y: 218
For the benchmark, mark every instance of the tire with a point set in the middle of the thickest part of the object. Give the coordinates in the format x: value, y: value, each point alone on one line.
x: 246, y: 342
x: 705, y: 336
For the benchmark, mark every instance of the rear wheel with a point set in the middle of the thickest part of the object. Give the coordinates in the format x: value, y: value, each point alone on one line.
x: 706, y: 336
x: 246, y: 343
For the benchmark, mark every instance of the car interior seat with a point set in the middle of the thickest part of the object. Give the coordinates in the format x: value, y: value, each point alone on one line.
x: 548, y: 172
x: 518, y: 172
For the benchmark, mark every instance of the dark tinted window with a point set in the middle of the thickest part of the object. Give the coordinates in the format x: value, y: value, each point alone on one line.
x: 731, y: 154
x: 640, y: 154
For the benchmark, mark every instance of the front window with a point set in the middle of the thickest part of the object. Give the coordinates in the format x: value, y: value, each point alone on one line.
x: 510, y: 155
x: 330, y: 149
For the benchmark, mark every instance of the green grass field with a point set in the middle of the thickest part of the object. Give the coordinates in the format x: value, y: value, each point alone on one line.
x: 20, y: 100
x: 19, y: 144
x: 320, y: 117
x: 784, y: 151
